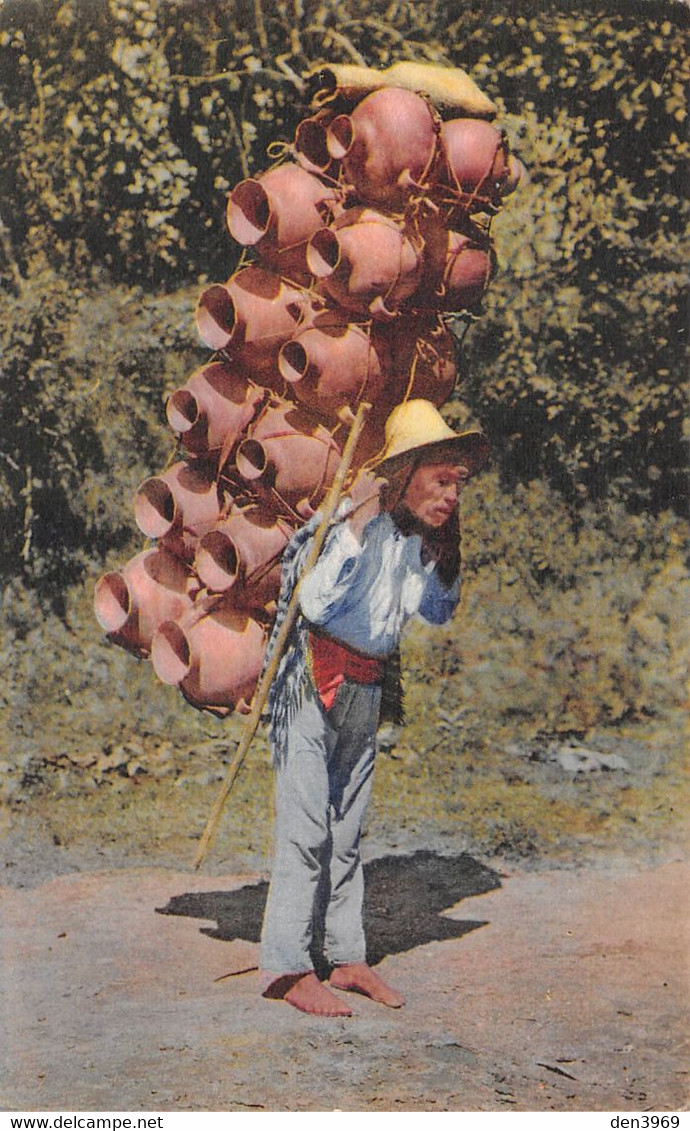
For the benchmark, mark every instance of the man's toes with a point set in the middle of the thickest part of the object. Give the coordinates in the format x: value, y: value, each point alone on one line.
x: 310, y: 996
x: 359, y: 978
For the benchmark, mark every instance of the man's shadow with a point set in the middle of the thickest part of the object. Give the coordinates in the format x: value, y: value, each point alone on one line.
x: 404, y: 898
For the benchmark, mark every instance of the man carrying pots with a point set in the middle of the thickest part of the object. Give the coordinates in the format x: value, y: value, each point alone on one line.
x: 391, y: 554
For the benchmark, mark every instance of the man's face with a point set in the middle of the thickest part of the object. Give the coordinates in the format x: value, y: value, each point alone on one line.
x: 433, y: 491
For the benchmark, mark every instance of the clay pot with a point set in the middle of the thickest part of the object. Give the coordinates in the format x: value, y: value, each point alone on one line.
x: 373, y: 437
x: 387, y: 146
x: 179, y: 506
x: 131, y: 603
x: 334, y: 363
x: 243, y: 551
x: 214, y: 407
x: 468, y: 272
x: 476, y: 162
x: 366, y: 262
x: 250, y: 316
x: 277, y: 212
x: 311, y: 144
x: 424, y: 361
x: 290, y: 451
x: 214, y: 654
x: 457, y: 270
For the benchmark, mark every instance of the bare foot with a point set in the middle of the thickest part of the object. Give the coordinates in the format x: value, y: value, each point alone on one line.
x: 361, y: 979
x: 311, y: 996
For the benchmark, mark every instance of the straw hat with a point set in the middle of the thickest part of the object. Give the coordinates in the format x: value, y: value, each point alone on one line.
x: 416, y: 429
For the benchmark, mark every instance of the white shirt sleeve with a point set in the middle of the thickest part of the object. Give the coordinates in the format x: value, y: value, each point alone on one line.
x: 325, y: 590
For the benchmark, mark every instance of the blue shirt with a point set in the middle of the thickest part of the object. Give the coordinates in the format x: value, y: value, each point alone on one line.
x: 363, y: 593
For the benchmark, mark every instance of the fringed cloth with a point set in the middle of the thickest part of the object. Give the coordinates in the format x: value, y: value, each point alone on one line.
x: 295, y: 668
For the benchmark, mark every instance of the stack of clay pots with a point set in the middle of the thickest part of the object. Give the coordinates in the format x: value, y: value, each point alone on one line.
x: 374, y: 226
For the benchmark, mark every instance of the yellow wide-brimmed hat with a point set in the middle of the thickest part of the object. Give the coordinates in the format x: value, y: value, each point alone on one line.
x: 416, y: 430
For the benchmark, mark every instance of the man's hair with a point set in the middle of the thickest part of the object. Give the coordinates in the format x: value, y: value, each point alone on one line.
x: 396, y: 483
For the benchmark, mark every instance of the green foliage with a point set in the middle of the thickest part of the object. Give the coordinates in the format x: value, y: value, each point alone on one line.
x: 93, y: 130
x: 123, y: 123
x: 563, y: 631
x: 578, y: 363
x: 84, y: 376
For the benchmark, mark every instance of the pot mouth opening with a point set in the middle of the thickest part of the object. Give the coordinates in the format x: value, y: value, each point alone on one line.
x: 248, y: 213
x: 251, y: 460
x: 311, y: 146
x: 340, y: 136
x: 112, y: 602
x: 215, y: 316
x: 170, y: 653
x: 154, y: 508
x: 182, y: 411
x: 217, y: 561
x: 323, y: 253
x: 293, y: 362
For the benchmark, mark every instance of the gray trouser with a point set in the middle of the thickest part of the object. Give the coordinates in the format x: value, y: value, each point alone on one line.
x: 322, y: 787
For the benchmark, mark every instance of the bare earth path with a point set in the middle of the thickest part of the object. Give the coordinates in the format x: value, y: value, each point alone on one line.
x: 558, y: 990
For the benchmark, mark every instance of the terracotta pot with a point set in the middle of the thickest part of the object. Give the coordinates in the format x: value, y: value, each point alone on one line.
x: 213, y: 654
x: 373, y: 438
x: 387, y: 146
x: 131, y: 603
x: 251, y: 316
x: 243, y: 551
x: 476, y: 162
x: 179, y: 506
x: 457, y: 269
x: 311, y: 144
x: 366, y: 262
x: 277, y: 212
x: 289, y: 450
x: 214, y: 407
x: 333, y: 363
x: 468, y: 272
x: 424, y: 360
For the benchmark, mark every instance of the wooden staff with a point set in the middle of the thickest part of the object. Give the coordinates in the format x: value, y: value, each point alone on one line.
x: 261, y: 692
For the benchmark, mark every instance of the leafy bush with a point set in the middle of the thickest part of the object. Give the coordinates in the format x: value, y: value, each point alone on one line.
x: 123, y: 124
x: 578, y: 362
x: 563, y: 629
x: 84, y: 377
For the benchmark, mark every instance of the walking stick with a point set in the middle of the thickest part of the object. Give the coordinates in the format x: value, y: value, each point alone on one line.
x: 332, y: 500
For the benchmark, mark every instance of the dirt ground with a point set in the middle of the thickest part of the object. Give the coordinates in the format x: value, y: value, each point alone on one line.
x: 133, y: 987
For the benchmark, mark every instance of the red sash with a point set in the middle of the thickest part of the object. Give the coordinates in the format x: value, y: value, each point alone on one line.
x: 332, y: 663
